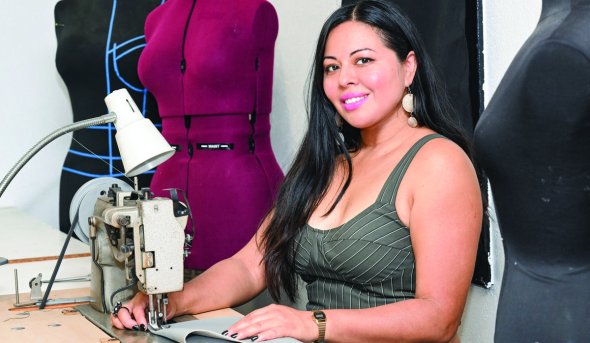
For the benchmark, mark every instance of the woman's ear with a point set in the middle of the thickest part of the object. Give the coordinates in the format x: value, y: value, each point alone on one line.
x: 410, y: 66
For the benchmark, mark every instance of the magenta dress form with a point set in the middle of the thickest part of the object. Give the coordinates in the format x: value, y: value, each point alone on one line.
x: 209, y: 65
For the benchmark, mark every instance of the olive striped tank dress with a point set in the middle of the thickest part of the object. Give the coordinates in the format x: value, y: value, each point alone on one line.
x: 367, y: 261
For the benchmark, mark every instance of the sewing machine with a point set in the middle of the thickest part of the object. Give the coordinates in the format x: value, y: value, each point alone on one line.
x: 137, y: 243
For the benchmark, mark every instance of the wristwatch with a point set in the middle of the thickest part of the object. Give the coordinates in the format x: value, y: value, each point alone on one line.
x: 320, y: 319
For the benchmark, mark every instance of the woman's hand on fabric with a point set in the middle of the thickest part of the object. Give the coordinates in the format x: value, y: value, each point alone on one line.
x: 132, y: 315
x: 275, y: 321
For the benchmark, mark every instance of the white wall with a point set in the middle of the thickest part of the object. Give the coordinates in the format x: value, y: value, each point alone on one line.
x: 34, y: 102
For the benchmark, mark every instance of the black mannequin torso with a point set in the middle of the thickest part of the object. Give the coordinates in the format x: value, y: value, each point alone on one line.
x: 533, y: 143
x: 84, y: 28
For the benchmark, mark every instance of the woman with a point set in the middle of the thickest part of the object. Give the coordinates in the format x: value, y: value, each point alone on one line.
x: 393, y: 269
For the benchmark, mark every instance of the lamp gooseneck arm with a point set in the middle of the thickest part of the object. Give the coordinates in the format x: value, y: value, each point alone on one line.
x: 104, y: 119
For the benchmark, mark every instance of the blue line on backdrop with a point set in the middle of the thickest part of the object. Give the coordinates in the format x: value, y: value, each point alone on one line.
x: 91, y: 175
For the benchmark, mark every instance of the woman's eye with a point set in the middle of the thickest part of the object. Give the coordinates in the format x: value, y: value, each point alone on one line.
x: 363, y: 60
x: 330, y: 68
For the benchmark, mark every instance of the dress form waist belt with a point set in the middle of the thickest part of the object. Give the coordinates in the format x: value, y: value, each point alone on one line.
x: 227, y: 132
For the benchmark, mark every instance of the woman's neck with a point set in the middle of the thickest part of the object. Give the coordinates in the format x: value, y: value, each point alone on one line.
x: 385, y: 133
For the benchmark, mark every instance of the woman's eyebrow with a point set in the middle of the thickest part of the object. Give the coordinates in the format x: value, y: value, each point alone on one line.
x: 362, y: 49
x: 352, y: 53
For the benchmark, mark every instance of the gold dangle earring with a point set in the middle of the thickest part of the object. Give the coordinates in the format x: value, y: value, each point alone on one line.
x: 408, y: 106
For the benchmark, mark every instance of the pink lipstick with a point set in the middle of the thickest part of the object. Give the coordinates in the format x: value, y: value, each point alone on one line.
x: 352, y: 101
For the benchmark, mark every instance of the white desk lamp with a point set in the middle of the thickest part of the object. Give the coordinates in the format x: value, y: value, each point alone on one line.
x: 141, y: 147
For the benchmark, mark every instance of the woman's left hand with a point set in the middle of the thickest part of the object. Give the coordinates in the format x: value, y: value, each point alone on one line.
x: 275, y: 321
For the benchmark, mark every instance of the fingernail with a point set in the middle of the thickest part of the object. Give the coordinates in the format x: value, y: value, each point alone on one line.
x: 135, y: 327
x: 253, y: 338
x: 234, y: 335
x: 142, y: 327
x: 224, y: 333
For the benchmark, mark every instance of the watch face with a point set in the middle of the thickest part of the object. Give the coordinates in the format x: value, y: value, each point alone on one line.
x: 319, y: 315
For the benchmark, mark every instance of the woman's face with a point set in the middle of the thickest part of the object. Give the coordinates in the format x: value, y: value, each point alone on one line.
x: 364, y: 80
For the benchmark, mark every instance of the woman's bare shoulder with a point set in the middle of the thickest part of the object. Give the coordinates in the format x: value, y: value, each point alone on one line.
x: 442, y: 154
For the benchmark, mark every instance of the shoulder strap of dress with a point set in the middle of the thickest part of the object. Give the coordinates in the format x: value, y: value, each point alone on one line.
x: 389, y: 191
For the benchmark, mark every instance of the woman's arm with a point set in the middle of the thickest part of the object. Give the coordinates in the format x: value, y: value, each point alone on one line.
x: 227, y: 283
x: 230, y: 282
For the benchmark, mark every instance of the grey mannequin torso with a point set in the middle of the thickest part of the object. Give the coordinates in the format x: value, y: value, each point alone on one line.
x: 533, y: 143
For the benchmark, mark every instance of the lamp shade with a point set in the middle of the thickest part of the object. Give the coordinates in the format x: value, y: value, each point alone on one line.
x: 141, y: 145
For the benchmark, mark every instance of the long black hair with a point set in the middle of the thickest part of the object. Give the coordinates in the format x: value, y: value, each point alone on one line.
x: 312, y: 170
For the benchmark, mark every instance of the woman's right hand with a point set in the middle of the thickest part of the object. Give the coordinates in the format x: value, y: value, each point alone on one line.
x: 132, y: 315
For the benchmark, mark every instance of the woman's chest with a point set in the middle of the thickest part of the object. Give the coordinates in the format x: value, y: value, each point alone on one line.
x: 371, y: 248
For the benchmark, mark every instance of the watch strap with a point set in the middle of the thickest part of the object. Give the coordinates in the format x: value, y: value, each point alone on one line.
x: 320, y: 319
